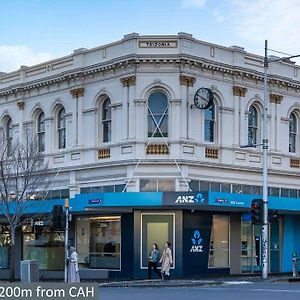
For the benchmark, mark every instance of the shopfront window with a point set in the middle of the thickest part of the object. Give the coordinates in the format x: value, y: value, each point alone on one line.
x: 4, y: 246
x: 219, y: 242
x: 156, y: 228
x: 45, y: 246
x: 99, y: 242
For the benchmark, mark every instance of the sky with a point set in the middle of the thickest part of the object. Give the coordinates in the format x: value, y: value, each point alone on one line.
x: 33, y: 31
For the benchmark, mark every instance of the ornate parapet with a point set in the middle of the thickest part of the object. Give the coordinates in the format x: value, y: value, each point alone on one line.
x: 275, y: 98
x: 239, y: 91
x: 77, y: 92
x: 128, y: 81
x: 187, y: 80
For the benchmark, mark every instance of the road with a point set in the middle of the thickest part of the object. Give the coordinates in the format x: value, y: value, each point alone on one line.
x: 257, y: 291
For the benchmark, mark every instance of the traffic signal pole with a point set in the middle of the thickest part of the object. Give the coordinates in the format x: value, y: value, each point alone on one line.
x: 265, y: 142
x: 66, y: 238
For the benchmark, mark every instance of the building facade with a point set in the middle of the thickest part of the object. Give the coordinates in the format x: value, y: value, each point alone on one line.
x: 122, y: 118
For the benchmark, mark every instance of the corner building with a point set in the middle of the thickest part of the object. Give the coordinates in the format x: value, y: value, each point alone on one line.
x: 141, y: 163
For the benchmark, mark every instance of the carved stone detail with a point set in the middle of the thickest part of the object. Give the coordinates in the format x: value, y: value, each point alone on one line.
x: 187, y: 80
x: 77, y: 92
x: 21, y: 104
x: 128, y: 81
x: 239, y: 91
x: 275, y: 98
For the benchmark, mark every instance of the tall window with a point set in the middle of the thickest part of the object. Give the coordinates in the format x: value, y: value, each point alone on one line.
x: 41, y: 131
x: 157, y: 115
x: 106, y: 121
x: 61, y: 128
x: 252, y: 126
x: 292, y: 133
x: 209, y: 124
x: 9, y: 136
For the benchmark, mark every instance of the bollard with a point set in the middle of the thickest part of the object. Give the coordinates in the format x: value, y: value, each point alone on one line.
x: 295, y: 267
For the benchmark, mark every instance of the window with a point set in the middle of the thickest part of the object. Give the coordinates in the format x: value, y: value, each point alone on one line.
x: 252, y: 126
x: 219, y: 242
x: 5, y: 243
x: 156, y: 228
x: 61, y: 128
x: 99, y: 242
x: 41, y: 132
x: 9, y: 136
x: 106, y: 121
x: 157, y: 185
x: 157, y: 115
x: 209, y: 124
x: 292, y: 133
x: 45, y: 246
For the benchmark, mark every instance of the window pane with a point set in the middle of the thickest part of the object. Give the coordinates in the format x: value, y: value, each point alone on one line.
x: 275, y: 191
x: 256, y: 190
x: 246, y: 189
x: 4, y: 250
x: 156, y: 229
x: 99, y: 242
x: 225, y: 187
x: 236, y: 189
x: 285, y: 193
x: 209, y: 124
x: 194, y: 185
x: 46, y: 247
x: 293, y: 193
x: 219, y: 242
x: 166, y: 185
x: 204, y: 186
x: 215, y: 186
x: 108, y: 188
x: 148, y: 185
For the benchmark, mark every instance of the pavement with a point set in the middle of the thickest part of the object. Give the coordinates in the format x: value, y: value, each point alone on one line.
x: 227, y: 280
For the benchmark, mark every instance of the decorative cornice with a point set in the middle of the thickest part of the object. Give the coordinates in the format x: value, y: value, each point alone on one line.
x: 187, y: 80
x: 128, y: 81
x: 239, y: 91
x: 21, y: 104
x: 77, y: 92
x: 275, y: 98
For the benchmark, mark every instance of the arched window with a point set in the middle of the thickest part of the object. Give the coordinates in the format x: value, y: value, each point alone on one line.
x: 41, y: 132
x: 252, y: 126
x: 209, y: 124
x: 106, y: 121
x: 292, y: 133
x: 61, y: 128
x: 9, y: 136
x: 157, y: 115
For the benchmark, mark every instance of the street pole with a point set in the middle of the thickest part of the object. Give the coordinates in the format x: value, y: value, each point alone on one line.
x: 66, y: 238
x: 265, y: 142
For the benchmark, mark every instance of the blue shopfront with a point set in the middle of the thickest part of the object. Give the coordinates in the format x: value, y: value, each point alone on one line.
x: 210, y: 233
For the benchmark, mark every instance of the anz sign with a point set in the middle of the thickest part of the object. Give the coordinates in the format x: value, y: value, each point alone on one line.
x: 185, y: 198
x: 197, y: 242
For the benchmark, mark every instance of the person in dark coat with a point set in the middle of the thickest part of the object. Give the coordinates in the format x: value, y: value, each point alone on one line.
x: 153, y: 260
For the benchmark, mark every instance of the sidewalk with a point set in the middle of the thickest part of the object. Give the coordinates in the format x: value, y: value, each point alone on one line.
x: 197, y: 282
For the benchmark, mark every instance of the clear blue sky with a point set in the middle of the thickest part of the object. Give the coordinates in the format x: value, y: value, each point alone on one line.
x: 37, y: 30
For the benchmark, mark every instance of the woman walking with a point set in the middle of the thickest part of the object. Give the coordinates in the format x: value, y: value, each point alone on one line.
x: 73, y: 269
x: 166, y: 261
x: 153, y: 260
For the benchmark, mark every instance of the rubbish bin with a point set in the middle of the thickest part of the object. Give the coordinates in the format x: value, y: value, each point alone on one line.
x: 30, y: 271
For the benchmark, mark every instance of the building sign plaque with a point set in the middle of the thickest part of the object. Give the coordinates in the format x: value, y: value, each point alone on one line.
x: 158, y: 44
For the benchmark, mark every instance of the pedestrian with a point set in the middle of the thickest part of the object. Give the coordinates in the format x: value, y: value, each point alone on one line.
x: 73, y: 269
x: 166, y: 261
x: 153, y: 260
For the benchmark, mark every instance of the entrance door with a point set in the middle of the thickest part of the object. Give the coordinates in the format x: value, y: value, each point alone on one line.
x: 251, y: 247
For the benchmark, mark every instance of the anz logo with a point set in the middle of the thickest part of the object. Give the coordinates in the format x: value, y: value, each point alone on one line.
x: 196, y: 241
x: 190, y: 199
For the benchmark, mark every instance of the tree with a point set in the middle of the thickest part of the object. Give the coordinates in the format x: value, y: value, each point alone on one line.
x: 23, y: 173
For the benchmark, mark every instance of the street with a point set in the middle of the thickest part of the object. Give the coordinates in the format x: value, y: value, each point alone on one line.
x: 225, y: 291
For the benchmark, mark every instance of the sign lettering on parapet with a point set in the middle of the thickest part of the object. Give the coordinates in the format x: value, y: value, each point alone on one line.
x: 185, y: 199
x: 158, y: 44
x: 60, y: 291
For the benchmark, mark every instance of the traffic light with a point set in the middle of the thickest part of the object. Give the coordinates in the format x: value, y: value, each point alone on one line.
x: 273, y: 216
x: 58, y: 218
x: 257, y: 211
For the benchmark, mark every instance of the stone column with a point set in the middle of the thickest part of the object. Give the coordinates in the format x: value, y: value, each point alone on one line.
x: 239, y: 92
x: 129, y: 84
x: 275, y: 101
x: 186, y: 82
x: 77, y: 93
x: 21, y: 106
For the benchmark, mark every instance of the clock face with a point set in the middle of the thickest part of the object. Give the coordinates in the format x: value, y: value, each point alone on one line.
x: 203, y: 98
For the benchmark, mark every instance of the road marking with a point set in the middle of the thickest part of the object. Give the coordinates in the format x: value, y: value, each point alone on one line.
x: 250, y: 290
x: 237, y: 282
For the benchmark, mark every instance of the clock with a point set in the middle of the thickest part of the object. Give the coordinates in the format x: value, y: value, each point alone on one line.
x: 203, y: 98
